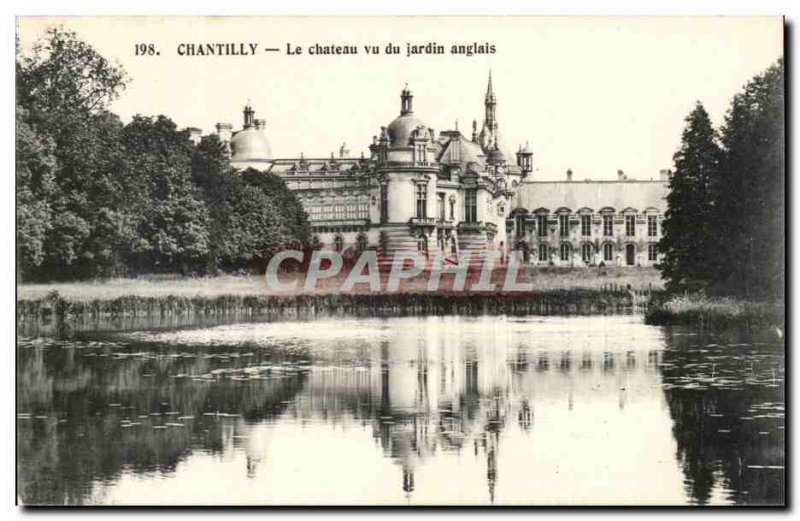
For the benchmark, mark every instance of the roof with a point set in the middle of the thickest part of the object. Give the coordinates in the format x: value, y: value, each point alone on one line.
x: 595, y: 195
x: 250, y: 144
x: 318, y: 166
x: 459, y: 149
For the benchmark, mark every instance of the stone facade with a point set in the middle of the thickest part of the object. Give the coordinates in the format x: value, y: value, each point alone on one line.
x: 450, y: 194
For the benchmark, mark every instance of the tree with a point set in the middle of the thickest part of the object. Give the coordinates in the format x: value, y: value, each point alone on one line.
x: 167, y: 210
x: 749, y: 195
x: 688, y: 252
x: 65, y: 87
x: 35, y: 172
x: 253, y: 214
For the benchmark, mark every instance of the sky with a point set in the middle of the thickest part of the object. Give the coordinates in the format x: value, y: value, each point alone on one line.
x: 590, y: 94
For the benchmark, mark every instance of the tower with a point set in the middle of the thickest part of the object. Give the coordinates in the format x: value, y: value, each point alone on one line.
x: 490, y: 104
x: 489, y: 131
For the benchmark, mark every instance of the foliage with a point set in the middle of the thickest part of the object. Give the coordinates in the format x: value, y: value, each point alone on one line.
x: 749, y: 195
x: 686, y: 227
x: 96, y: 198
x: 724, y: 229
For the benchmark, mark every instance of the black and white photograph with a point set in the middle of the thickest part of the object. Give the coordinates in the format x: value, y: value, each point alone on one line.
x: 404, y: 261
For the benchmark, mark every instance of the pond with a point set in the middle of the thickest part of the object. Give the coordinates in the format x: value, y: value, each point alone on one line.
x: 444, y: 410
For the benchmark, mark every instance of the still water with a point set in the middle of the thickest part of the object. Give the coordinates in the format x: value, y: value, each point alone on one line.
x: 407, y: 411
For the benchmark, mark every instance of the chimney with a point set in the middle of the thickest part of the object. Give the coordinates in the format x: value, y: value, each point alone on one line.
x: 195, y: 135
x: 405, y: 101
x: 569, y: 175
x: 260, y: 124
x: 620, y: 175
x: 249, y: 114
x: 224, y: 131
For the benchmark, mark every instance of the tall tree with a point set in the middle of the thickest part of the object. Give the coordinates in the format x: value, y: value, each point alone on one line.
x: 749, y: 196
x: 168, y: 214
x: 65, y: 86
x: 35, y: 172
x: 686, y: 243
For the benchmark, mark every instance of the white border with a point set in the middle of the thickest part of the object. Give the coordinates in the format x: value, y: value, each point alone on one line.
x: 231, y: 7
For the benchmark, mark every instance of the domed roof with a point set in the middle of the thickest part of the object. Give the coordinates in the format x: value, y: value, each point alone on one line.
x: 496, y: 155
x: 401, y: 128
x: 250, y: 144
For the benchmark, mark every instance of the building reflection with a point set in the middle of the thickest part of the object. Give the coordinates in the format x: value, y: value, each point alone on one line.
x: 498, y: 395
x: 430, y: 389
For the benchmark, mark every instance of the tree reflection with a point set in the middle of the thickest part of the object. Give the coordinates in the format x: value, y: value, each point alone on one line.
x: 727, y: 412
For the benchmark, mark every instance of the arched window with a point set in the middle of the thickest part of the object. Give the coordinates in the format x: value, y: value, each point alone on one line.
x: 630, y: 254
x: 608, y: 252
x: 361, y: 242
x: 544, y: 254
x: 338, y: 243
x: 565, y: 251
x: 587, y: 252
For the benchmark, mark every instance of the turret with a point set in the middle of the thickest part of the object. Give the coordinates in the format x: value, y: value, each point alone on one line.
x: 525, y: 160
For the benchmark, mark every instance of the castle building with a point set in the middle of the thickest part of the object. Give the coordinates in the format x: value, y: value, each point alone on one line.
x: 449, y: 194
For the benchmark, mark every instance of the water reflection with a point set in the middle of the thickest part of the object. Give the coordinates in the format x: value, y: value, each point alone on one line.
x: 440, y: 410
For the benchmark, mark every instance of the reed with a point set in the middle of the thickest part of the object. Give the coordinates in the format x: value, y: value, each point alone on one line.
x: 704, y: 310
x: 611, y: 299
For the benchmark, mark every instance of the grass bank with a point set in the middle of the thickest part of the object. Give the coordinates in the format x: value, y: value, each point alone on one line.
x: 711, y: 311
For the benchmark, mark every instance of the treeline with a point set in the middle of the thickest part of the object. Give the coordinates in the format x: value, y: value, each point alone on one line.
x: 723, y: 232
x: 99, y: 198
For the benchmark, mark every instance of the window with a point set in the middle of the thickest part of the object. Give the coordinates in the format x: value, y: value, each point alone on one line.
x: 586, y: 225
x: 543, y: 253
x: 608, y: 252
x: 563, y: 225
x: 652, y: 226
x: 422, y: 245
x: 471, y: 206
x: 519, y: 220
x: 384, y: 202
x: 630, y: 225
x: 541, y: 225
x: 338, y: 243
x: 452, y: 208
x: 422, y: 200
x: 440, y: 206
x: 361, y: 242
x: 421, y: 154
x: 565, y: 251
x: 608, y: 225
x: 652, y: 251
x: 586, y: 253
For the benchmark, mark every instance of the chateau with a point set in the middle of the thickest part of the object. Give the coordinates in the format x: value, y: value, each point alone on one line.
x: 449, y: 194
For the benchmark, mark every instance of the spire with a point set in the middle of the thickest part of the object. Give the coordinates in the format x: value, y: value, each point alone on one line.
x: 489, y: 103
